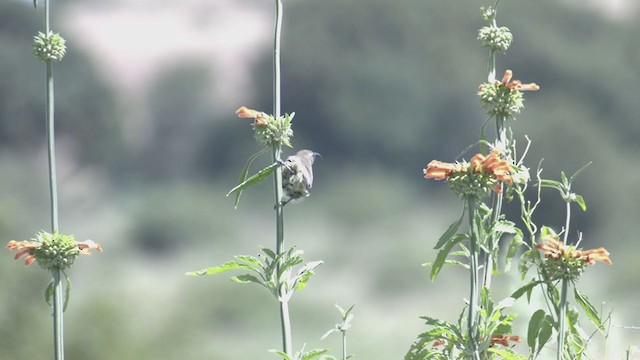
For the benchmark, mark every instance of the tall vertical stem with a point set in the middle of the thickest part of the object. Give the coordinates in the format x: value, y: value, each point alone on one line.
x: 562, y: 318
x: 344, y: 345
x: 285, y: 321
x: 58, y: 328
x: 472, y: 321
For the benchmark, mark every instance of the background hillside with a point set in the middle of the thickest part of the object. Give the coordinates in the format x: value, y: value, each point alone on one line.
x: 149, y: 145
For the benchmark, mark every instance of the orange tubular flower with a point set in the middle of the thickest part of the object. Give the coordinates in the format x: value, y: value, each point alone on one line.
x: 504, y: 339
x: 88, y: 245
x: 556, y: 249
x: 517, y: 84
x: 439, y: 170
x: 476, y: 162
x: 24, y: 248
x: 246, y: 113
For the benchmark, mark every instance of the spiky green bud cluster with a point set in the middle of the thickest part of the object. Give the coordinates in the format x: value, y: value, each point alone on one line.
x: 49, y: 47
x: 497, y: 99
x: 58, y: 251
x: 470, y: 184
x: 495, y: 38
x: 269, y: 130
x: 565, y: 267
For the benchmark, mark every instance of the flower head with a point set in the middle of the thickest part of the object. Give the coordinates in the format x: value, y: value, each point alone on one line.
x: 504, y: 98
x: 52, y: 251
x: 567, y: 261
x: 267, y: 129
x: 474, y: 178
x: 49, y: 47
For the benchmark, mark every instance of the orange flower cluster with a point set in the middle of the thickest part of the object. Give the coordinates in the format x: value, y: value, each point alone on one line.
x: 504, y: 339
x: 515, y: 84
x: 556, y: 249
x: 439, y: 170
x: 27, y: 248
x: 246, y: 113
x: 491, y: 165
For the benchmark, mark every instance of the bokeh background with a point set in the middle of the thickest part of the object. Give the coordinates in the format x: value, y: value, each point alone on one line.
x: 148, y: 146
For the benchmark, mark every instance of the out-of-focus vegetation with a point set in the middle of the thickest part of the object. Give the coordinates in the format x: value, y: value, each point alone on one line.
x: 379, y: 89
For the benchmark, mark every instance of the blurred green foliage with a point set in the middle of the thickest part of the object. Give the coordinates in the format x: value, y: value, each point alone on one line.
x: 379, y: 89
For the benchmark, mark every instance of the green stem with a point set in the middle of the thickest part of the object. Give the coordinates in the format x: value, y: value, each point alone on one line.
x: 58, y: 294
x: 566, y: 224
x: 562, y: 318
x: 58, y: 308
x: 344, y: 345
x: 285, y: 321
x: 472, y: 322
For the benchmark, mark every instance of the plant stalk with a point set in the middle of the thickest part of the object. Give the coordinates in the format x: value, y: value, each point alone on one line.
x: 344, y: 345
x: 562, y: 318
x: 472, y: 321
x: 285, y: 321
x: 58, y: 323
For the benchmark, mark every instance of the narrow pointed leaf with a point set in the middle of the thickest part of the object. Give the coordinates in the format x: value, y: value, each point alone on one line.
x: 588, y: 308
x: 525, y: 289
x: 231, y: 265
x: 259, y: 176
x: 48, y: 293
x: 451, y: 232
x: 443, y: 253
x: 580, y: 201
x: 247, y: 278
x: 67, y: 295
x: 245, y: 173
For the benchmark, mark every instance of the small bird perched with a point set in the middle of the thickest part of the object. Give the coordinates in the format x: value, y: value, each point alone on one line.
x: 297, y: 176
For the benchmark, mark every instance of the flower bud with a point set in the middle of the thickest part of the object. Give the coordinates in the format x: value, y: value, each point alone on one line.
x: 49, y: 47
x: 495, y: 38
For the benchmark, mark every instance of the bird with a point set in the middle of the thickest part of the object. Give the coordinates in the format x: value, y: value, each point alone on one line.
x: 297, y: 176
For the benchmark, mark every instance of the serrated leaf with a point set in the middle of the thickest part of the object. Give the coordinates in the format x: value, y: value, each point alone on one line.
x: 580, y: 201
x: 251, y: 261
x: 247, y: 278
x: 270, y: 253
x: 259, y: 176
x: 231, y: 265
x: 451, y: 232
x: 313, y: 354
x: 588, y: 308
x: 442, y: 255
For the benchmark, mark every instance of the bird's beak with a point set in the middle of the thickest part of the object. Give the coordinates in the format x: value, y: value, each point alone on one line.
x: 317, y: 154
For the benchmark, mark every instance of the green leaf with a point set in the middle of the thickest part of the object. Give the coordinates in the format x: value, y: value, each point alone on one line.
x: 451, y: 232
x: 506, y: 354
x: 565, y: 181
x: 514, y: 246
x: 546, y: 331
x: 67, y: 294
x: 270, y: 253
x: 252, y: 261
x: 526, y: 289
x: 535, y: 324
x: 48, y: 293
x: 580, y: 201
x: 313, y: 354
x: 589, y: 309
x: 284, y: 355
x: 579, y: 172
x: 247, y: 278
x: 245, y: 173
x: 443, y: 253
x: 259, y: 176
x: 231, y: 265
x: 551, y: 184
